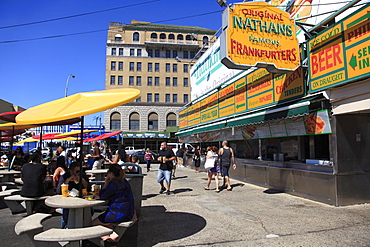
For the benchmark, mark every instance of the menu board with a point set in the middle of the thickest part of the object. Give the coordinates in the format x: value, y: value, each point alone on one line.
x: 263, y: 130
x: 277, y: 128
x: 295, y: 126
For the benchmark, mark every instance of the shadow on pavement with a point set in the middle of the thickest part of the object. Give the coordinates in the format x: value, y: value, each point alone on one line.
x: 175, y: 178
x: 177, y: 191
x: 148, y: 196
x: 158, y: 226
x: 272, y: 191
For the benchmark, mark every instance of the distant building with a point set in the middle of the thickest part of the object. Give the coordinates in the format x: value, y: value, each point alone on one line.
x: 156, y: 59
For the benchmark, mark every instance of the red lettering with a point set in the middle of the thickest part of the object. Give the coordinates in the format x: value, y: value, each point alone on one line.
x: 326, y: 59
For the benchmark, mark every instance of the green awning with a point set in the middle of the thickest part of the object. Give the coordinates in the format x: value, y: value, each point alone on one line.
x: 298, y: 109
x: 203, y: 128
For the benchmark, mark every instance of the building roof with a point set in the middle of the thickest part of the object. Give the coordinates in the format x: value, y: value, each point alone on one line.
x: 147, y: 26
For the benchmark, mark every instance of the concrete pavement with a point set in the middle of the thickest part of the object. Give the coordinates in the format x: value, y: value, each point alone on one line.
x: 247, y: 216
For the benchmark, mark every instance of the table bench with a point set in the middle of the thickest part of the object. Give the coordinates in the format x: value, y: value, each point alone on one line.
x: 74, y: 235
x: 32, y: 225
x: 12, y: 200
x: 15, y: 208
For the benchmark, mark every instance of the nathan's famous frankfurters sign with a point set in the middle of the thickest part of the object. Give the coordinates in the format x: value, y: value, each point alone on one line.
x: 258, y: 34
x: 258, y: 89
x: 341, y: 54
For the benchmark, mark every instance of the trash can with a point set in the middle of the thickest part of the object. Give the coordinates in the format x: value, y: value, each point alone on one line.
x: 135, y: 178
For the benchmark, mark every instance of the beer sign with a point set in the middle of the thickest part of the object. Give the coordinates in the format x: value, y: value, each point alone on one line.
x: 258, y: 34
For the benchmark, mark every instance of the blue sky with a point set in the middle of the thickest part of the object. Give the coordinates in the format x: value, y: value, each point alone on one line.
x: 35, y: 72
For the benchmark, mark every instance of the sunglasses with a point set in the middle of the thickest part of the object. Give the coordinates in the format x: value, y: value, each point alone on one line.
x: 78, y: 171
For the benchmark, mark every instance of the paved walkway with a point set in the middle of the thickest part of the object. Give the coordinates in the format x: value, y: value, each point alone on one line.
x: 247, y: 216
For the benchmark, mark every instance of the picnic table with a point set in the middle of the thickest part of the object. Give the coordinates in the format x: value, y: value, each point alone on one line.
x: 79, y: 209
x: 8, y: 176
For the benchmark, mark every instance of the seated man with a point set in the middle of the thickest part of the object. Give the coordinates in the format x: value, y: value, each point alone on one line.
x: 72, y: 178
x: 33, y: 175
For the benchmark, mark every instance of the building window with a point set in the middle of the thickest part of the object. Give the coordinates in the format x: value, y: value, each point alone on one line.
x: 168, y: 98
x: 154, y: 36
x: 150, y: 67
x: 113, y: 66
x: 186, y: 54
x: 150, y: 81
x: 138, y: 66
x: 168, y: 81
x: 174, y: 81
x: 168, y: 53
x: 150, y: 53
x: 114, y: 51
x: 174, y: 67
x: 156, y: 81
x: 120, y: 80
x: 156, y: 67
x: 186, y: 68
x: 117, y: 37
x: 186, y: 82
x: 115, y: 121
x: 131, y: 81
x: 205, y: 41
x: 132, y: 52
x: 157, y: 53
x: 135, y: 36
x: 192, y: 54
x: 149, y: 97
x: 186, y: 98
x: 138, y: 81
x: 112, y: 79
x: 171, y: 36
x: 171, y: 119
x: 174, y: 98
x: 168, y: 67
x: 138, y: 99
x: 180, y: 37
x: 138, y: 52
x: 120, y: 65
x: 132, y: 66
x: 162, y: 36
x: 174, y: 54
x: 156, y: 97
x: 134, y: 121
x: 120, y: 51
x: 153, y: 121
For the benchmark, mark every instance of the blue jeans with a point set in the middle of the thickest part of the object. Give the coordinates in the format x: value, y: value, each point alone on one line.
x: 164, y: 175
x: 148, y: 164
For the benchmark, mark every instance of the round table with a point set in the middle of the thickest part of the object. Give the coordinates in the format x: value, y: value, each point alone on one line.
x: 98, y: 173
x: 79, y: 209
x: 8, y: 176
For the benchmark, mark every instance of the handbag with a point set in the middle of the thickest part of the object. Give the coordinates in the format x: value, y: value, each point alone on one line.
x: 210, y: 163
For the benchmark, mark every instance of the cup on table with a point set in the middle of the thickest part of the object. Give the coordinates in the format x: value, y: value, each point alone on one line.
x: 84, y: 192
x: 65, y: 191
x: 3, y: 187
x: 96, y: 190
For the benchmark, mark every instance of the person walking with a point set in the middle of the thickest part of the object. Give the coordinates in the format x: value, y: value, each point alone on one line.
x: 196, y: 158
x: 148, y: 158
x: 166, y: 158
x: 215, y: 170
x: 226, y: 154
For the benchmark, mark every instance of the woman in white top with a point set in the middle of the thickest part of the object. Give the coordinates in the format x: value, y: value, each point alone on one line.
x: 212, y: 154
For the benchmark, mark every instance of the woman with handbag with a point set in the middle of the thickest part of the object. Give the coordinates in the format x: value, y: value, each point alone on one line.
x: 196, y: 158
x: 212, y: 167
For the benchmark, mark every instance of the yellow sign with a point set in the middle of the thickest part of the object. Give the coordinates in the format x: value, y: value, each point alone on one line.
x: 183, y: 118
x: 288, y: 85
x: 227, y: 100
x: 260, y: 100
x: 258, y: 81
x: 261, y: 35
x: 209, y: 108
x: 240, y: 95
x: 194, y: 114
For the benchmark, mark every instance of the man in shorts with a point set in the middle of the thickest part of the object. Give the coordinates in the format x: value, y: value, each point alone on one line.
x: 165, y: 158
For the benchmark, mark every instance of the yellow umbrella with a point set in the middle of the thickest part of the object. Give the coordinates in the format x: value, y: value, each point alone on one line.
x: 74, y: 132
x: 9, y: 126
x: 29, y: 139
x: 69, y: 138
x: 77, y: 105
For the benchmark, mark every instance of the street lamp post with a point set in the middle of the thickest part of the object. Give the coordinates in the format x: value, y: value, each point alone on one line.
x: 66, y: 89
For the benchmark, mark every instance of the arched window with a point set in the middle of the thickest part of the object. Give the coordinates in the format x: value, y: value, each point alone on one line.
x: 171, y: 36
x: 115, y: 121
x: 180, y: 37
x: 153, y: 121
x: 162, y: 36
x: 135, y: 36
x: 134, y: 123
x: 171, y: 120
x: 188, y: 37
x: 205, y: 40
x: 154, y: 36
x: 118, y: 37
